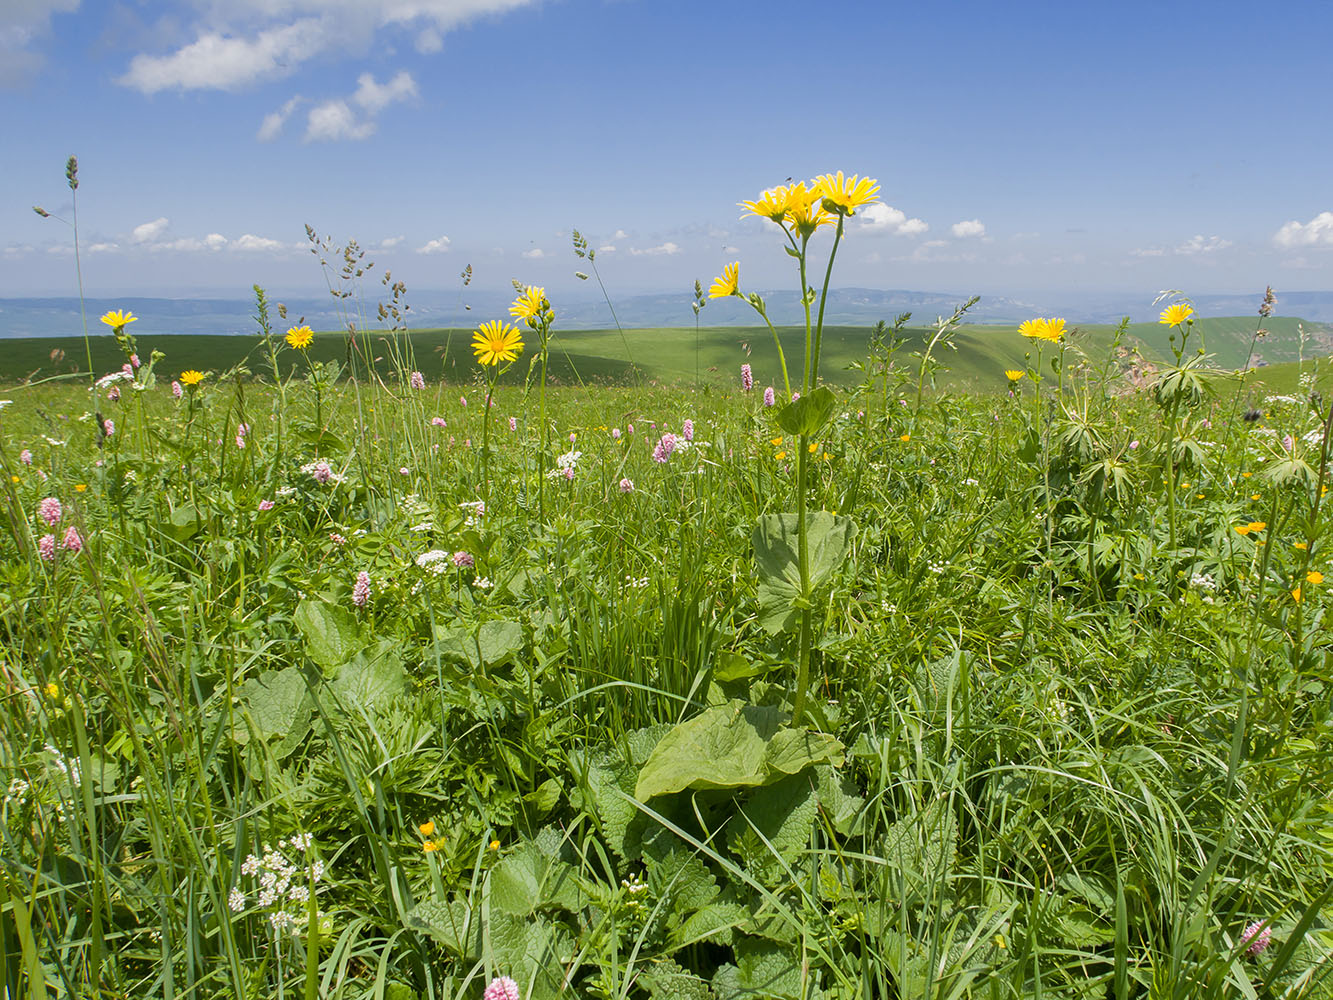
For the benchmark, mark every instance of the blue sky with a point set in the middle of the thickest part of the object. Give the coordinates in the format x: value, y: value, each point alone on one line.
x: 1019, y: 147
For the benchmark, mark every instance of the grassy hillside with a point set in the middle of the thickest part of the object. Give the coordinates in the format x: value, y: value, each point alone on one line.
x: 981, y: 353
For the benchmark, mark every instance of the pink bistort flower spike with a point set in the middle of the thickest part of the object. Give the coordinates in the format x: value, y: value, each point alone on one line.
x: 769, y: 398
x: 50, y: 511
x: 502, y: 988
x: 688, y: 429
x: 361, y: 590
x: 627, y: 485
x: 265, y: 504
x: 1256, y: 938
x: 438, y: 422
x: 113, y: 394
x: 73, y: 541
x: 134, y: 360
x: 464, y: 560
x: 25, y: 456
x: 46, y: 547
x: 417, y: 380
x: 615, y: 433
x: 747, y: 378
x: 108, y: 427
x: 176, y: 390
x: 513, y: 423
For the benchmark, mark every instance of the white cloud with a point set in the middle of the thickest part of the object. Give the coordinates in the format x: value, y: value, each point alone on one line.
x: 23, y: 23
x: 730, y: 249
x: 217, y: 61
x: 620, y: 234
x: 334, y: 120
x: 374, y: 97
x: 389, y: 242
x: 150, y: 232
x: 104, y: 248
x: 930, y: 244
x: 250, y: 242
x: 968, y: 228
x: 435, y: 246
x: 273, y: 123
x: 1197, y: 245
x: 537, y: 253
x: 609, y: 248
x: 882, y: 218
x: 240, y: 42
x: 215, y: 241
x: 666, y: 249
x: 1317, y: 232
x: 1148, y: 252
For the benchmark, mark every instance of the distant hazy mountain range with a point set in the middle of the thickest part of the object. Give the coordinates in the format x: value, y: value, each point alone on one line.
x: 55, y: 317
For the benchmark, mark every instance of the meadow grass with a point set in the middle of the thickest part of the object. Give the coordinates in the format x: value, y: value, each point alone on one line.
x: 548, y: 734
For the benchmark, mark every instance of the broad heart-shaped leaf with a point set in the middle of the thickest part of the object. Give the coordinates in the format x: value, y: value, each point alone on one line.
x: 777, y: 555
x: 808, y: 414
x: 731, y: 746
x: 330, y: 632
x: 454, y: 924
x: 776, y: 824
x: 276, y: 703
x: 490, y: 645
x: 371, y: 680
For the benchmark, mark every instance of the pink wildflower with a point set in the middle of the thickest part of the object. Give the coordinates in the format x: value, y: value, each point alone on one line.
x: 629, y: 428
x: 438, y: 422
x: 688, y: 429
x: 50, y: 511
x: 108, y: 427
x: 361, y: 591
x: 462, y: 401
x: 795, y: 396
x: 134, y: 360
x: 72, y: 541
x: 403, y: 470
x: 769, y: 398
x: 265, y: 504
x: 615, y: 433
x: 627, y: 485
x: 665, y: 446
x: 417, y: 381
x: 502, y: 988
x: 127, y: 370
x: 240, y: 440
x: 321, y: 472
x: 747, y: 378
x: 572, y: 436
x: 46, y: 547
x: 464, y: 560
x: 336, y: 538
x: 1133, y: 445
x: 569, y: 473
x: 1288, y: 443
x: 113, y: 394
x: 176, y: 390
x: 1256, y: 937
x: 25, y: 456
x: 513, y: 423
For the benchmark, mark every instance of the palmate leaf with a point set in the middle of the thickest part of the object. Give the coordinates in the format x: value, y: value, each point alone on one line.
x: 777, y: 556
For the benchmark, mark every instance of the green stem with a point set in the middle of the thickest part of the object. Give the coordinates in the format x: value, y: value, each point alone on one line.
x: 803, y: 562
x: 823, y: 299
x: 78, y: 270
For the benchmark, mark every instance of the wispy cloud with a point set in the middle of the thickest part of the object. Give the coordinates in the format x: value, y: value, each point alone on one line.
x: 968, y: 229
x: 271, y: 126
x: 440, y: 245
x: 336, y: 120
x: 150, y: 232
x: 1317, y: 232
x: 1199, y: 245
x: 22, y: 24
x: 536, y: 253
x: 667, y: 249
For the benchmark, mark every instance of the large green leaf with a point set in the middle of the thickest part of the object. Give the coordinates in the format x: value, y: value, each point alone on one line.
x: 530, y: 878
x: 371, y: 680
x: 330, y: 632
x: 777, y: 555
x: 454, y: 924
x: 809, y: 414
x: 490, y: 645
x: 731, y: 746
x: 276, y: 703
x: 776, y: 823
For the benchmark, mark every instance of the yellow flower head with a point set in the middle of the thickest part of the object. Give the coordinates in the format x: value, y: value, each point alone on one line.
x: 805, y: 212
x: 530, y: 304
x: 80, y: 487
x: 430, y: 847
x: 1034, y: 328
x: 1175, y: 315
x: 772, y: 205
x: 845, y: 196
x: 1258, y: 525
x: 728, y: 284
x: 780, y: 455
x: 1302, y: 546
x: 1242, y: 529
x: 1013, y: 374
x: 1296, y: 595
x: 300, y: 337
x: 53, y: 690
x: 116, y: 318
x: 495, y: 341
x: 427, y: 828
x: 1055, y: 330
x: 494, y: 845
x: 905, y: 438
x: 191, y: 377
x: 1314, y: 576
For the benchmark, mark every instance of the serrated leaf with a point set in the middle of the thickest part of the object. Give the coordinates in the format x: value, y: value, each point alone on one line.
x: 684, y: 879
x: 330, y: 632
x: 782, y: 814
x: 667, y: 980
x: 530, y: 878
x: 369, y: 683
x: 776, y: 541
x: 809, y: 414
x: 454, y: 924
x: 716, y: 922
x: 762, y: 969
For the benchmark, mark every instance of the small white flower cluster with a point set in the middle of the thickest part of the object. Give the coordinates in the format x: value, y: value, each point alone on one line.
x: 478, y: 511
x: 482, y: 583
x: 18, y: 792
x: 970, y: 482
x: 1281, y: 399
x: 635, y: 885
x: 285, y: 492
x: 435, y: 561
x: 632, y: 582
x: 938, y: 567
x: 569, y: 460
x: 424, y: 526
x: 281, y: 883
x: 1203, y: 581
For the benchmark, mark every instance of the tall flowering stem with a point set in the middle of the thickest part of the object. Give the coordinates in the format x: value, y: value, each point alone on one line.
x: 493, y: 343
x: 534, y: 309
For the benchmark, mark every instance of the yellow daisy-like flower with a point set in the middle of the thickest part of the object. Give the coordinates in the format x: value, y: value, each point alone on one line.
x: 771, y: 205
x: 1055, y: 330
x: 1258, y: 525
x: 300, y: 337
x: 1242, y: 529
x: 80, y: 487
x: 53, y: 690
x: 1175, y: 315
x: 116, y: 318
x: 530, y: 303
x: 494, y: 342
x: 1013, y: 374
x: 494, y: 845
x: 904, y: 438
x: 846, y: 195
x: 1034, y: 328
x: 1314, y: 576
x: 728, y: 284
x: 805, y: 214
x: 780, y: 455
x: 775, y: 441
x: 191, y: 377
x: 427, y: 828
x: 1302, y: 546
